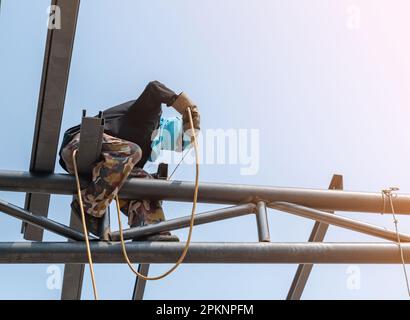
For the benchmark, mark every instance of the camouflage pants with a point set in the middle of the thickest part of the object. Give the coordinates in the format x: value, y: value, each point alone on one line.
x: 118, y: 163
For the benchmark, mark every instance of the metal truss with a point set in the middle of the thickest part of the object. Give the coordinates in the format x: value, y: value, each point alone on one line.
x: 307, y: 203
x: 322, y: 199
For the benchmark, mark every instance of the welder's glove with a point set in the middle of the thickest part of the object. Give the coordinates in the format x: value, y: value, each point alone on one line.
x: 196, y: 119
x: 181, y: 104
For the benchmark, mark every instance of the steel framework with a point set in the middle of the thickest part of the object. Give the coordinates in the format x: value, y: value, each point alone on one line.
x: 307, y: 203
x: 316, y: 204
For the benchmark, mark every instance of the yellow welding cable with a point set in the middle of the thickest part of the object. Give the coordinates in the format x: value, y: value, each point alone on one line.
x: 87, y: 241
x: 191, y: 225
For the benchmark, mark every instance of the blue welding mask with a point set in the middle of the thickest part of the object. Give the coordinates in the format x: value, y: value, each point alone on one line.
x: 169, y: 136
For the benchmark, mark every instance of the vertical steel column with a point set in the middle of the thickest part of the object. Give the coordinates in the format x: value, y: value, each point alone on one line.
x: 139, y: 287
x: 262, y: 222
x: 89, y: 151
x: 317, y: 235
x: 56, y: 68
x: 73, y: 273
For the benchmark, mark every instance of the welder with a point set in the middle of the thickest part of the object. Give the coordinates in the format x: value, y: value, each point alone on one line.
x: 134, y: 132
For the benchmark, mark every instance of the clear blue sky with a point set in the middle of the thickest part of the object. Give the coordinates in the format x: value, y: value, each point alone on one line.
x: 327, y: 99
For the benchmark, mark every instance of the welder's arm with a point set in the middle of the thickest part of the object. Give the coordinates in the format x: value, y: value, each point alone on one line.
x: 180, y: 102
x: 154, y: 94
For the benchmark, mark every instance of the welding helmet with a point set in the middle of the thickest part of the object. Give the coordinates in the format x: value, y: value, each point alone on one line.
x: 168, y: 136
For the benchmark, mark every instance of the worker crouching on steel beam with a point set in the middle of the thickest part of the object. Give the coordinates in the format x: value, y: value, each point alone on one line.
x: 127, y: 145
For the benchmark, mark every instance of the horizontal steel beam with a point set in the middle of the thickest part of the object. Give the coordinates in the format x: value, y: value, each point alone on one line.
x: 160, y: 252
x: 184, y: 222
x: 323, y: 199
x: 339, y: 221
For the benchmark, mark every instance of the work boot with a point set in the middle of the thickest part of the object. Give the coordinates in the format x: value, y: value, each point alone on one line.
x: 92, y: 223
x: 163, y: 236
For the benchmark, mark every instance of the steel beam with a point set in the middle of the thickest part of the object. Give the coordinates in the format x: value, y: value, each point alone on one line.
x: 184, y: 222
x: 339, y: 221
x: 317, y: 235
x: 139, y: 287
x: 41, y: 222
x: 212, y: 192
x: 262, y: 222
x: 140, y: 284
x: 56, y: 67
x: 219, y: 252
x: 89, y: 152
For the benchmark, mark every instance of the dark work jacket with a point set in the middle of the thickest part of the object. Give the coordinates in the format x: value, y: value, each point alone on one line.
x: 134, y: 121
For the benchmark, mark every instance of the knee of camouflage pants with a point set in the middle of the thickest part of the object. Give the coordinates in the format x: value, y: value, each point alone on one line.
x: 118, y: 158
